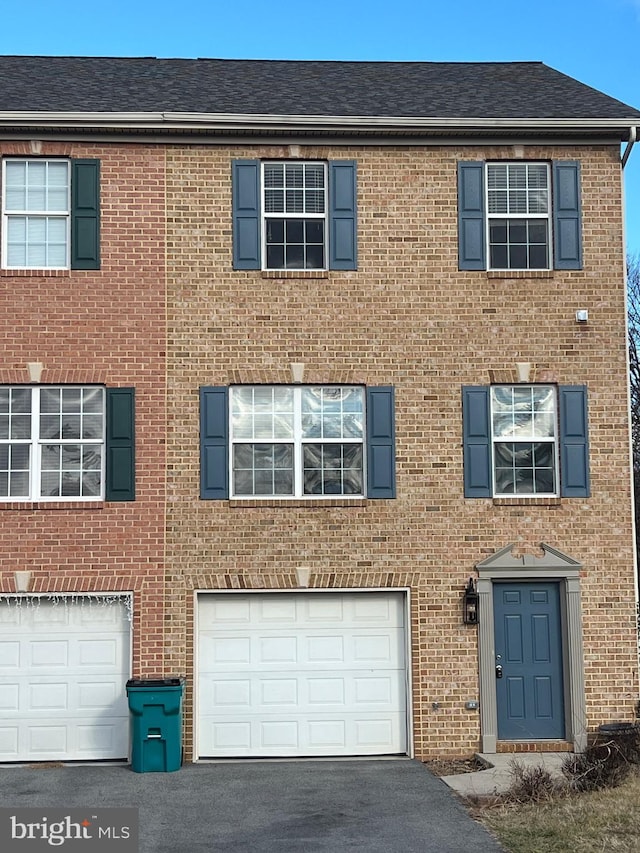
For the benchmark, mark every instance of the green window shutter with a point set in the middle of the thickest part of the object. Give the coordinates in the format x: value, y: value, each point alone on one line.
x: 343, y: 219
x: 246, y: 214
x: 476, y: 420
x: 567, y: 215
x: 381, y: 450
x: 574, y: 442
x: 85, y: 214
x: 214, y: 443
x: 471, y: 216
x: 120, y: 449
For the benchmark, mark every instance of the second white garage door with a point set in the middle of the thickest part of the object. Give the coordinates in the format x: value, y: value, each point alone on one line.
x: 301, y: 674
x: 63, y: 669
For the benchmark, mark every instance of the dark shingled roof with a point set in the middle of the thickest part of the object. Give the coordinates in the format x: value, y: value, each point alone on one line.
x: 509, y: 90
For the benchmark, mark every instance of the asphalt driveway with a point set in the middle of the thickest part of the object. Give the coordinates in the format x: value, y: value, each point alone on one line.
x: 394, y: 806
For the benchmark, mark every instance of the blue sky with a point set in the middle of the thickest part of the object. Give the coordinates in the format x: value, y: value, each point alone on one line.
x: 595, y: 41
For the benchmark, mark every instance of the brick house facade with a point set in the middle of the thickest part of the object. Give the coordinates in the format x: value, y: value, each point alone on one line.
x: 319, y: 468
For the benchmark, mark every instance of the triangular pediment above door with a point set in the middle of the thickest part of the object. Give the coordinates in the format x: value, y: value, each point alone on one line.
x: 550, y: 559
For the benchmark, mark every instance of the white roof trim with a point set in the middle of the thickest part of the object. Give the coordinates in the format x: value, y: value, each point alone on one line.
x: 224, y: 121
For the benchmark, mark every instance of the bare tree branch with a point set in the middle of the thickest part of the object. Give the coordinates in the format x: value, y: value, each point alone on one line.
x: 633, y: 308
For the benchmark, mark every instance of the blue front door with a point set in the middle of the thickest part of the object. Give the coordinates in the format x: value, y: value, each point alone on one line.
x: 528, y: 642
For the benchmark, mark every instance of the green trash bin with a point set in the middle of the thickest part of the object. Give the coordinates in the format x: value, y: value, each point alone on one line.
x: 156, y: 724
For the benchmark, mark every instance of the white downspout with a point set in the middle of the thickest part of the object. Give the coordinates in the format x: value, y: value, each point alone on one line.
x: 633, y: 131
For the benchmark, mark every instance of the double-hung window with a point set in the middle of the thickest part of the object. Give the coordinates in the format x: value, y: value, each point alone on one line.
x: 37, y: 207
x: 519, y: 215
x: 523, y: 427
x: 50, y: 213
x: 51, y: 443
x: 294, y: 215
x: 525, y: 441
x: 66, y: 443
x: 297, y: 441
x: 518, y: 211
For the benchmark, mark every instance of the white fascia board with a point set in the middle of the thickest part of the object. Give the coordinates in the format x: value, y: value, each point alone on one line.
x: 215, y: 121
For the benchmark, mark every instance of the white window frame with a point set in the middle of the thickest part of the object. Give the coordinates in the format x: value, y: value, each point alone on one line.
x: 526, y: 439
x: 35, y: 444
x: 548, y: 216
x: 298, y: 443
x: 265, y: 216
x: 35, y: 214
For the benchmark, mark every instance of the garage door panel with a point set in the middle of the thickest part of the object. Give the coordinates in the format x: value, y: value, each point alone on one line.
x: 48, y: 654
x: 315, y: 736
x: 310, y: 649
x: 10, y: 696
x: 9, y: 736
x: 320, y: 687
x: 9, y: 656
x: 276, y: 650
x: 226, y: 651
x: 307, y: 692
x: 275, y: 610
x: 48, y: 697
x: 46, y: 741
x: 230, y: 613
x: 322, y: 609
x: 100, y: 696
x: 278, y: 692
x: 98, y: 738
x: 63, y: 695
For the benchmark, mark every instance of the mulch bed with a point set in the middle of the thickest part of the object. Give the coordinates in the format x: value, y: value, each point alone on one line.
x: 453, y: 766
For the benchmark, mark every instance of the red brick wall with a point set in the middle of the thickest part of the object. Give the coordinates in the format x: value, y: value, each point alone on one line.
x: 105, y: 326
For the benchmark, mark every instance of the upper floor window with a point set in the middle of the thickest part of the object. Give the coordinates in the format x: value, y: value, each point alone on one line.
x: 518, y: 211
x: 50, y: 213
x: 295, y: 212
x: 523, y: 427
x: 294, y: 215
x: 519, y: 216
x: 63, y: 442
x: 37, y: 211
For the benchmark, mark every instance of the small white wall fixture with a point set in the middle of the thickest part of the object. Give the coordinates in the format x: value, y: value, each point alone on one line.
x: 551, y: 565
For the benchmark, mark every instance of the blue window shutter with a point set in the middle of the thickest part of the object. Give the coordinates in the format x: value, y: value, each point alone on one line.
x: 471, y: 216
x: 246, y: 214
x: 574, y: 442
x: 85, y: 214
x: 343, y: 225
x: 476, y: 419
x: 567, y: 224
x: 381, y: 440
x: 120, y: 445
x: 214, y: 443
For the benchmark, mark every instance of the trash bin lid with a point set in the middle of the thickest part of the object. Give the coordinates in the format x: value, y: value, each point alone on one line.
x: 618, y: 728
x: 156, y: 682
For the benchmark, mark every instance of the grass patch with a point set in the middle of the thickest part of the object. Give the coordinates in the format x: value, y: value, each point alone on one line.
x: 603, y: 821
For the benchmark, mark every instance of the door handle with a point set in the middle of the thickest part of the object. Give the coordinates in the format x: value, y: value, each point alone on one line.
x: 498, y: 671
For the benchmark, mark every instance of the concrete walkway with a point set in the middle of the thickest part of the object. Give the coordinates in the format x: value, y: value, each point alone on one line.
x: 498, y: 776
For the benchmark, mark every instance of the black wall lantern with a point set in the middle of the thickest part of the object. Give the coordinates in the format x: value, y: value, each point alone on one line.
x: 470, y: 604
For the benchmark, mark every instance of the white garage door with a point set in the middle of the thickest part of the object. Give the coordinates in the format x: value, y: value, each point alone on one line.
x: 63, y: 671
x: 301, y: 674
